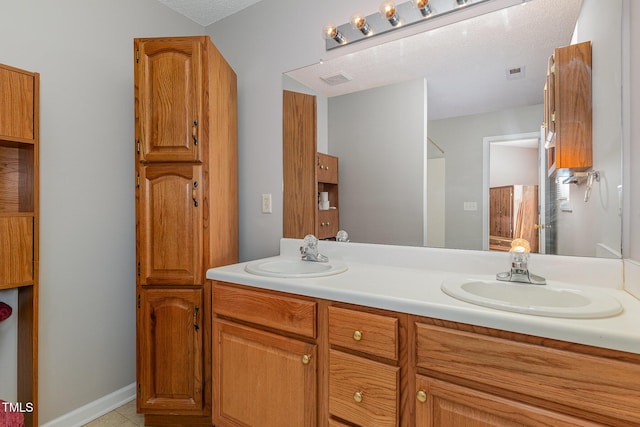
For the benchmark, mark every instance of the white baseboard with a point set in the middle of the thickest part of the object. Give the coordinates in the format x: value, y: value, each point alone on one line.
x: 95, y: 409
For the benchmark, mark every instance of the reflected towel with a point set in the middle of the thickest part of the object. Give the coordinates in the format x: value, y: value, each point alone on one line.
x: 10, y: 418
x: 5, y: 311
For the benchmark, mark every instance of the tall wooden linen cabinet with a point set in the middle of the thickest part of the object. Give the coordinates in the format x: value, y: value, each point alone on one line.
x: 19, y: 221
x: 186, y: 218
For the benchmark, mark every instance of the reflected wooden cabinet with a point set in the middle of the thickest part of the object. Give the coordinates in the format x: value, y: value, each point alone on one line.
x: 306, y: 173
x: 19, y: 220
x: 568, y: 108
x: 513, y: 213
x: 186, y: 218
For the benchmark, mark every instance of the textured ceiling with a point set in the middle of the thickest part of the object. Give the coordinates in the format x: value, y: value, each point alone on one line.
x: 206, y: 12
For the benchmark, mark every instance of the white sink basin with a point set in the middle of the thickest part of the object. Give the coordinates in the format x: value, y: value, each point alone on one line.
x: 542, y: 300
x: 293, y: 267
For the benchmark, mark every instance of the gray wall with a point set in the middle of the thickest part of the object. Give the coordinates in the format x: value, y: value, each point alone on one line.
x: 379, y: 137
x: 462, y: 140
x: 84, y: 52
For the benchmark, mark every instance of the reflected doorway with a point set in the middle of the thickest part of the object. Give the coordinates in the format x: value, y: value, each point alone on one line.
x: 512, y: 191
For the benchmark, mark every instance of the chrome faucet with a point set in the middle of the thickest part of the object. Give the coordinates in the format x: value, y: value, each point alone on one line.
x: 309, y: 249
x: 520, y: 271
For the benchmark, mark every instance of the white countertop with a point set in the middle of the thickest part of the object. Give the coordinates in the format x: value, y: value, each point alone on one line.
x: 409, y: 281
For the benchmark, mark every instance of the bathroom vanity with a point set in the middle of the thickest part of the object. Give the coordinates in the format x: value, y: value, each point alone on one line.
x: 381, y: 345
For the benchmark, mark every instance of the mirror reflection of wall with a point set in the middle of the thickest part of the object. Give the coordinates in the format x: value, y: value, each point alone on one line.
x: 383, y: 145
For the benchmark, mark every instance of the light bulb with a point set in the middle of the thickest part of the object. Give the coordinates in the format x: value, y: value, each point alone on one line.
x: 423, y: 6
x: 358, y: 22
x: 332, y: 32
x: 388, y: 11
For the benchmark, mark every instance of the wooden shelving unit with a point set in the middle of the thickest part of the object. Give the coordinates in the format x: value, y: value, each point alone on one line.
x: 306, y: 172
x: 19, y: 219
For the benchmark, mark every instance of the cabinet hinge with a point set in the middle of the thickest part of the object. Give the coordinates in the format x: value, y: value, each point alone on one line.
x: 138, y: 186
x: 138, y: 269
x: 138, y: 146
x: 138, y: 300
x: 137, y: 56
x: 139, y: 390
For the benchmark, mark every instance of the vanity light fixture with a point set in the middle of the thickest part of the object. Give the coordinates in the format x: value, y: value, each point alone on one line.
x: 359, y: 22
x: 392, y: 16
x: 389, y: 12
x: 423, y: 6
x: 332, y: 32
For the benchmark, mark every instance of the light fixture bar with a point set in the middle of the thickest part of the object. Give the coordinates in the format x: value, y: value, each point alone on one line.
x: 404, y: 14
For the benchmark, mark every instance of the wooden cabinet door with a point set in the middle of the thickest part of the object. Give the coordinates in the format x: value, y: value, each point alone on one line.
x: 168, y: 77
x: 170, y: 349
x: 442, y: 404
x: 16, y: 251
x: 262, y: 379
x: 501, y: 212
x: 18, y: 95
x: 170, y: 224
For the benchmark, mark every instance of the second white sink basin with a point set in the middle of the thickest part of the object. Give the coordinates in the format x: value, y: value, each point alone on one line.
x: 542, y: 300
x: 293, y: 267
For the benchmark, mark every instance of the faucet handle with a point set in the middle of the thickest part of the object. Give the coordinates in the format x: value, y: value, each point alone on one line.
x: 310, y: 241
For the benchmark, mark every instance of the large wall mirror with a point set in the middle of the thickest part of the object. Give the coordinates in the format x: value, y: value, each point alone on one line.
x: 426, y: 127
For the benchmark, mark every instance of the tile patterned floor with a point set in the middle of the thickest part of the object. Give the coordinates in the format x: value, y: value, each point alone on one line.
x: 124, y: 416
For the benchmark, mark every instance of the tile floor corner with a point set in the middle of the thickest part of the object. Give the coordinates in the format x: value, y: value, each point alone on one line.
x: 124, y: 416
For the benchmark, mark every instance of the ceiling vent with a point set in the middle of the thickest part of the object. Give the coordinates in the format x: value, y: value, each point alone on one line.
x: 336, y: 79
x: 515, y: 73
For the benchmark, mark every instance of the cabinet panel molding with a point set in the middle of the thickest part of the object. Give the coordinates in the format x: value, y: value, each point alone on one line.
x: 169, y: 77
x: 170, y: 370
x: 263, y: 379
x: 170, y: 241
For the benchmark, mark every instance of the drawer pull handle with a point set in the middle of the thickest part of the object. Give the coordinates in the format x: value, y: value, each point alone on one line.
x: 306, y: 358
x: 358, y: 396
x: 357, y: 335
x: 421, y: 396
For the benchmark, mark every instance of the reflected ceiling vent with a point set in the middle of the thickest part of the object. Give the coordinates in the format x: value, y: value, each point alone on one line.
x: 336, y: 79
x: 515, y: 73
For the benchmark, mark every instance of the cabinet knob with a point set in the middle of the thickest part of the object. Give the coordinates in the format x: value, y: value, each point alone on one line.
x: 306, y: 358
x: 421, y: 396
x: 357, y: 335
x: 358, y: 396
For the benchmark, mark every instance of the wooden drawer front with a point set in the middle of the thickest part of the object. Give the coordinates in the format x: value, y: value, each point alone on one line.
x: 327, y: 223
x: 377, y: 384
x: 262, y: 308
x: 327, y: 168
x: 588, y: 383
x: 366, y: 332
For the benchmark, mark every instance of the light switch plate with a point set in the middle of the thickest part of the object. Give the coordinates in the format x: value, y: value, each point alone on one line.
x: 470, y: 206
x: 266, y: 203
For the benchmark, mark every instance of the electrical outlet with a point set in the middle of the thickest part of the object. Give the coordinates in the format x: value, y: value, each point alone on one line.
x: 266, y: 203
